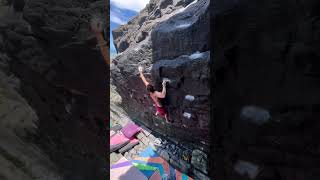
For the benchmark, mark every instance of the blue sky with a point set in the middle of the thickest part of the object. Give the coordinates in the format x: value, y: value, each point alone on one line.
x: 121, y: 11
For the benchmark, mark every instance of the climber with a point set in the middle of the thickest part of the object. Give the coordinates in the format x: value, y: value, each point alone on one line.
x: 155, y: 95
x: 100, y: 33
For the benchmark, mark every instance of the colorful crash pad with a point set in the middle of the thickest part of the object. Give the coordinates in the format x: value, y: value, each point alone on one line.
x: 124, y: 170
x: 149, y: 162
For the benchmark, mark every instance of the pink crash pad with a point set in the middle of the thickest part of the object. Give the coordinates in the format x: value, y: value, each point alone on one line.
x: 130, y: 129
x: 117, y: 141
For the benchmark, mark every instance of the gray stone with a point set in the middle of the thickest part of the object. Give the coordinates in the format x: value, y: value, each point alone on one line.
x: 172, y: 146
x: 158, y: 142
x: 183, y: 2
x: 165, y: 3
x: 199, y: 175
x: 141, y: 36
x: 165, y: 155
x: 114, y: 157
x: 199, y: 161
x: 255, y: 114
x: 133, y: 151
x: 168, y: 10
x: 174, y: 140
x: 156, y: 14
x: 140, y: 136
x: 152, y: 138
x: 136, y: 147
x: 145, y: 141
x: 146, y: 131
x: 174, y: 152
x: 247, y: 168
x: 167, y: 146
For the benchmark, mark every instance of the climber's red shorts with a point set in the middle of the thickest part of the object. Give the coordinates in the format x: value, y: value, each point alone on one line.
x: 161, y: 110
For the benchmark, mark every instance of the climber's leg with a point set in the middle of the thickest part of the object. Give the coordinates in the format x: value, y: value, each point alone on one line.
x: 166, y: 118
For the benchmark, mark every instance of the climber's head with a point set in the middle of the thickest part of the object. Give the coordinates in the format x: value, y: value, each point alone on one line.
x: 150, y: 88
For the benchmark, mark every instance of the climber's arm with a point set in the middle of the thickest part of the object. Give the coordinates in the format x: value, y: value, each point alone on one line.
x: 96, y: 27
x: 143, y: 79
x: 164, y: 91
x: 103, y: 48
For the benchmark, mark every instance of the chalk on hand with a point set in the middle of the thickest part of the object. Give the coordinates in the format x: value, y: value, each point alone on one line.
x: 140, y: 68
x: 166, y: 80
x: 189, y: 97
x: 187, y: 115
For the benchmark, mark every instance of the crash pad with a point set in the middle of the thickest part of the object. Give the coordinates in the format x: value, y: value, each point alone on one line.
x: 150, y: 158
x: 117, y: 141
x: 130, y: 129
x: 124, y: 170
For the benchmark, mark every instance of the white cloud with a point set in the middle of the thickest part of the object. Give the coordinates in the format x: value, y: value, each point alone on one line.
x: 116, y: 18
x: 135, y: 5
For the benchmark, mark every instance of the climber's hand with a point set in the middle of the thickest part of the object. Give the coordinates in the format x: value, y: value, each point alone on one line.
x: 140, y: 68
x: 164, y: 83
x: 96, y: 25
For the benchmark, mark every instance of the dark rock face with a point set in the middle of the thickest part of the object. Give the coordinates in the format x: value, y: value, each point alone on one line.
x: 52, y: 53
x: 192, y: 23
x: 18, y: 5
x: 165, y: 52
x: 266, y: 101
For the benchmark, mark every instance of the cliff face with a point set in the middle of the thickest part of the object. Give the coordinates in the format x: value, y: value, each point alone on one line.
x: 170, y: 39
x: 50, y: 105
x: 267, y: 89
